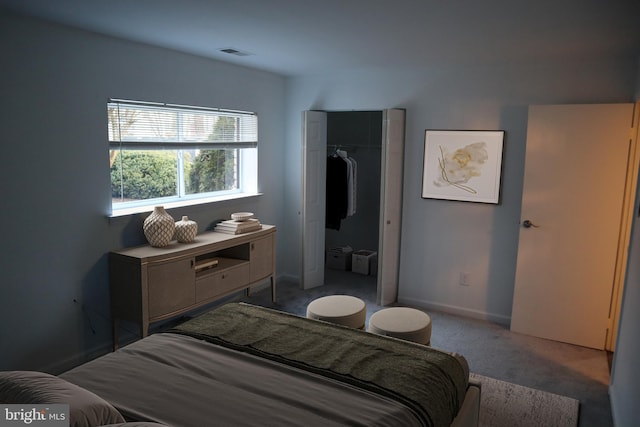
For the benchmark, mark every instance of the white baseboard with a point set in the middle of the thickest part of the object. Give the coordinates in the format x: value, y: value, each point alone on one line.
x: 459, y: 311
x: 261, y: 286
x: 264, y: 284
x: 290, y: 278
x: 77, y: 359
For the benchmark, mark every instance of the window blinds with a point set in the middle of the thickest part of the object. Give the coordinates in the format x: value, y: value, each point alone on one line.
x: 144, y: 125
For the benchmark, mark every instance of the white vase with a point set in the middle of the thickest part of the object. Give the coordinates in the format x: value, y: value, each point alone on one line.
x: 159, y: 227
x: 186, y: 230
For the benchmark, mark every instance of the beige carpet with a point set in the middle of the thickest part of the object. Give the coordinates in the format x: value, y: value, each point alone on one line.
x: 504, y: 404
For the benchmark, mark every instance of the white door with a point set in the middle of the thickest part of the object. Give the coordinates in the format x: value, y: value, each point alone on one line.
x: 390, y: 205
x: 576, y: 164
x: 314, y: 176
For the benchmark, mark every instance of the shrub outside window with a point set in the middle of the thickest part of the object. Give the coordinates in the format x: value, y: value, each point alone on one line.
x: 175, y: 154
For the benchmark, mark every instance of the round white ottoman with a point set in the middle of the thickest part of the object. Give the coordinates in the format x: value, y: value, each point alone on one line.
x: 341, y: 309
x: 402, y: 322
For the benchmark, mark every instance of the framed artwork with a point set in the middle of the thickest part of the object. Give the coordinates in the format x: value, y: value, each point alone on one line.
x: 462, y: 165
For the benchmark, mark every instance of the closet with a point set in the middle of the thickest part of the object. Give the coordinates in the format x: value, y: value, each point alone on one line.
x: 355, y: 135
x: 375, y: 142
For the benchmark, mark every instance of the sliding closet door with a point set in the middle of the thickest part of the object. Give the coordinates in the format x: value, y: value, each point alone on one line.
x: 314, y: 176
x: 390, y: 205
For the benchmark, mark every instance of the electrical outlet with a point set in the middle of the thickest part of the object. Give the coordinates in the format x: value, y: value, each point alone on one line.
x: 464, y: 279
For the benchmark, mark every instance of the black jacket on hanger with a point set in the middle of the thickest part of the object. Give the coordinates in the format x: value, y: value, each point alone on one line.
x: 337, y: 198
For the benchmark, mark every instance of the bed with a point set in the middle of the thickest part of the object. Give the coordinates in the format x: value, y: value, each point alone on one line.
x: 244, y: 365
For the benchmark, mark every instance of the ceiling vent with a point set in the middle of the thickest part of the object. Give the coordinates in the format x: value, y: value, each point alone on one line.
x: 236, y: 52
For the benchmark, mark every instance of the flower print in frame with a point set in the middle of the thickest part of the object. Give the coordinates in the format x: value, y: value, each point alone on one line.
x: 462, y: 165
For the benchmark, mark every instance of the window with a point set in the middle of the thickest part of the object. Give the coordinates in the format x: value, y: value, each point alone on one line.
x: 177, y: 155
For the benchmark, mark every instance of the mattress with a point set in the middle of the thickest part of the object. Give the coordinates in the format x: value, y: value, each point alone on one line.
x: 243, y: 365
x: 181, y: 381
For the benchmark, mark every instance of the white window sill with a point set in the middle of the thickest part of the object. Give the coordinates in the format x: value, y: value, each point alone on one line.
x: 181, y: 203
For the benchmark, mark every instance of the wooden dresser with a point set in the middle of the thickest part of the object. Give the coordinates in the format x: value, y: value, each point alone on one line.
x: 150, y: 284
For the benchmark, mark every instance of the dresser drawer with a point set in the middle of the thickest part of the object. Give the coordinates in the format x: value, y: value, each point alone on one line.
x: 222, y: 282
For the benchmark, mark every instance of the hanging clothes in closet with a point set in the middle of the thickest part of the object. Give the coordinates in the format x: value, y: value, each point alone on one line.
x: 341, y: 188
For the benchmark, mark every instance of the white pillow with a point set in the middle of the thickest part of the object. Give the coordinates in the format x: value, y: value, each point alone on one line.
x: 86, y: 408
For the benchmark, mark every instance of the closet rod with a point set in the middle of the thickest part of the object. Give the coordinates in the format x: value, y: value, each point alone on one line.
x: 347, y: 147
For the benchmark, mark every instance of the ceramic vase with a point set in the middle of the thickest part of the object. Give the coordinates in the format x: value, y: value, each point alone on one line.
x: 186, y: 230
x: 159, y: 227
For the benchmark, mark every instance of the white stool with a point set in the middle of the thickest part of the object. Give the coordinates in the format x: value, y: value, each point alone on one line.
x: 402, y: 322
x: 341, y: 309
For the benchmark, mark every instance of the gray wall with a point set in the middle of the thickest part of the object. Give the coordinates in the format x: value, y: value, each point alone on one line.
x: 55, y: 82
x: 625, y: 376
x: 442, y: 238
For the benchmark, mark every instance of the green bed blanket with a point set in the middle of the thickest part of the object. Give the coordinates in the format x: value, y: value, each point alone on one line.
x: 430, y: 382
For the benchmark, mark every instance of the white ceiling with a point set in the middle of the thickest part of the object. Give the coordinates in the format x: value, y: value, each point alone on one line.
x: 296, y: 37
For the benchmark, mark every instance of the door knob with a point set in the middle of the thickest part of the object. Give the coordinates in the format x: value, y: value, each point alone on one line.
x: 528, y: 224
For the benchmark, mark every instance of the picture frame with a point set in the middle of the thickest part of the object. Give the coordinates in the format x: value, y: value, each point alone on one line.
x: 462, y: 165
